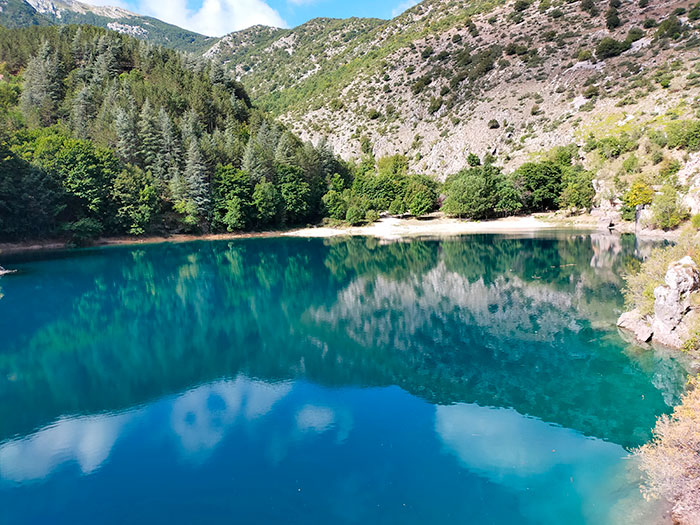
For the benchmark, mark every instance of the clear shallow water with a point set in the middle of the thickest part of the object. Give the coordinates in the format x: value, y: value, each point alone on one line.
x: 476, y: 380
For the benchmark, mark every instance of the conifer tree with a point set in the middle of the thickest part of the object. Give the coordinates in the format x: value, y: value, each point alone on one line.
x: 197, y: 180
x: 42, y: 88
x: 168, y: 161
x: 149, y: 137
x: 127, y: 137
x: 82, y: 113
x: 286, y: 149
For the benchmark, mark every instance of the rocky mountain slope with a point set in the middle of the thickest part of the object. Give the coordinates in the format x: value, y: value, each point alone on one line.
x: 22, y: 13
x: 448, y: 77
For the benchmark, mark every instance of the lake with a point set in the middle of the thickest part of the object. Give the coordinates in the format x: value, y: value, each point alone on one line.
x: 479, y: 379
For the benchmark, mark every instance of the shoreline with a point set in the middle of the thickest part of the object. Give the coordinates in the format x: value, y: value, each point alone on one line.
x: 386, y: 229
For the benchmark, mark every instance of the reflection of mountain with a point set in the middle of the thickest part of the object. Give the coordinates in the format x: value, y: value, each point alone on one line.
x: 498, y: 321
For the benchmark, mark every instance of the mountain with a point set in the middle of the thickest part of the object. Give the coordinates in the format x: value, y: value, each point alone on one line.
x: 20, y: 13
x: 446, y: 77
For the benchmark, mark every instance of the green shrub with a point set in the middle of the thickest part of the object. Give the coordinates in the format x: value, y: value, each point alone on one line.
x: 584, y: 54
x: 609, y: 47
x: 667, y: 213
x: 371, y: 216
x: 684, y: 134
x: 578, y: 191
x: 493, y: 124
x: 84, y: 231
x: 670, y: 28
x: 612, y: 18
x: 631, y: 164
x: 695, y: 221
x: 355, y: 215
x: 541, y: 183
x: 635, y: 34
x: 471, y: 193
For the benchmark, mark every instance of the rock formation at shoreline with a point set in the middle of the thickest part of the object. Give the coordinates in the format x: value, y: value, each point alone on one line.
x: 675, y: 316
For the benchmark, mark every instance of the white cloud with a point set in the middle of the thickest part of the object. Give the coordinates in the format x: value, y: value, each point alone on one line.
x: 213, y: 17
x: 403, y: 6
x: 88, y: 441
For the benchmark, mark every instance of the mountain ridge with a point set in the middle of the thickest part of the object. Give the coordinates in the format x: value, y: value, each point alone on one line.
x: 21, y: 13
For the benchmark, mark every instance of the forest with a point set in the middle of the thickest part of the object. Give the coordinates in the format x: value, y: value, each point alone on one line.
x: 102, y: 134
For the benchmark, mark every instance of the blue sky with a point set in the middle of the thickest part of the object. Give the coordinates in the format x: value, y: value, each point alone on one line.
x: 218, y: 17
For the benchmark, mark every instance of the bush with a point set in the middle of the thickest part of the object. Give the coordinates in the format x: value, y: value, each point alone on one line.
x: 667, y: 213
x: 578, y: 191
x: 584, y: 54
x: 670, y: 28
x: 634, y: 34
x: 670, y: 461
x: 684, y: 134
x: 639, y: 194
x: 371, y: 216
x: 84, y: 231
x: 542, y: 184
x: 612, y: 19
x: 435, y: 105
x: 355, y: 215
x: 695, y: 221
x: 493, y: 124
x: 471, y: 193
x: 609, y: 47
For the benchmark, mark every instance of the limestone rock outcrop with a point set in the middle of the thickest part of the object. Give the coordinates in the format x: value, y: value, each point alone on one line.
x: 674, y: 316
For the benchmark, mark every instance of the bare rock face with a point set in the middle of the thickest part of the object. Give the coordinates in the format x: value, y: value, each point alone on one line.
x: 640, y: 327
x: 673, y: 318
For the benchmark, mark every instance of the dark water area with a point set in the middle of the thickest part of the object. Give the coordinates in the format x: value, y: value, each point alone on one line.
x: 479, y: 379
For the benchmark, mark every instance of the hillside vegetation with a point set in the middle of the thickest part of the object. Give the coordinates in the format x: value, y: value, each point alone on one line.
x: 104, y: 134
x: 446, y: 78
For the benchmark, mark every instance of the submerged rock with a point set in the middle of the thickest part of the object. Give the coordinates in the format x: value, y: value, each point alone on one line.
x: 674, y: 317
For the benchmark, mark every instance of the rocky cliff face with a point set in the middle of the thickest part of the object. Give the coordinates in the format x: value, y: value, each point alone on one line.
x: 675, y: 317
x: 445, y: 78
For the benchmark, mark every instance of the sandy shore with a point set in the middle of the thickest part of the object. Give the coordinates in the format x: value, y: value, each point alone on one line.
x: 387, y: 229
x: 393, y: 228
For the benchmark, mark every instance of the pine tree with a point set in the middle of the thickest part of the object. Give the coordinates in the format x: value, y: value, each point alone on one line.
x: 286, y: 149
x: 77, y: 47
x: 168, y: 161
x: 197, y: 180
x: 149, y: 137
x: 127, y: 137
x: 240, y: 110
x: 258, y: 163
x: 42, y: 88
x: 82, y: 113
x: 190, y: 128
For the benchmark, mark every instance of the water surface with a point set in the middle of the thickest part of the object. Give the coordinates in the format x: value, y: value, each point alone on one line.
x: 472, y: 380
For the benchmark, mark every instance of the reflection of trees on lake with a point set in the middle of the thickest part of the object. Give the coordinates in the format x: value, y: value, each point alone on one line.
x: 490, y: 320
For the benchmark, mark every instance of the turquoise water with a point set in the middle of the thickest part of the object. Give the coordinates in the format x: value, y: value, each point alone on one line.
x: 472, y: 380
